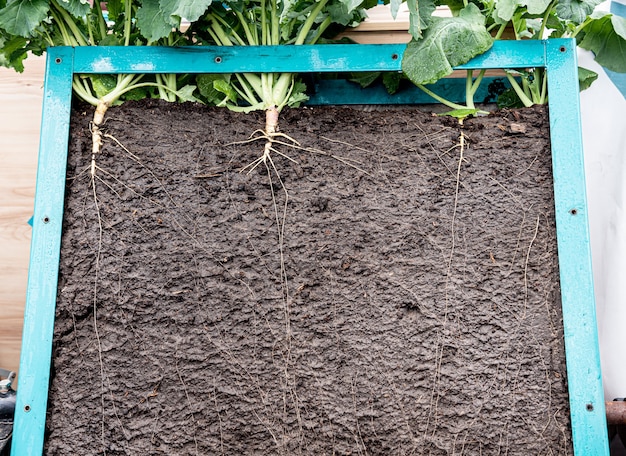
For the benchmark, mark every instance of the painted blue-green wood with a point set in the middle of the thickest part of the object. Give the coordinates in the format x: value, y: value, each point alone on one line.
x: 32, y: 398
x: 587, y: 409
x: 558, y: 56
x: 343, y: 92
x: 299, y: 59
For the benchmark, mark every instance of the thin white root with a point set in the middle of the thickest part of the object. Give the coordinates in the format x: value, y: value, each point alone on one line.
x: 269, y: 135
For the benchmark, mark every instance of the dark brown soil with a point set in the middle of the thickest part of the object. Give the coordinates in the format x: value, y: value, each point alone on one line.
x: 400, y: 304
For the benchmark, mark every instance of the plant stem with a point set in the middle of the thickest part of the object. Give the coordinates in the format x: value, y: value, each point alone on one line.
x: 477, y: 82
x: 102, y: 26
x: 306, y: 27
x: 264, y: 40
x: 544, y: 89
x: 469, y: 95
x: 440, y: 99
x: 545, y: 19
x: 320, y: 30
x: 127, y: 21
x: 252, y: 40
x: 578, y: 29
x: 275, y: 24
x: 67, y: 20
x: 518, y: 90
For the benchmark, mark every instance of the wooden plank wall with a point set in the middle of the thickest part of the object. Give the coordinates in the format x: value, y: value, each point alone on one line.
x: 20, y: 119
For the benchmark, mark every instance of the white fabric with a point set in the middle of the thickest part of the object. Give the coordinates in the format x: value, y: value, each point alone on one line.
x: 603, y: 111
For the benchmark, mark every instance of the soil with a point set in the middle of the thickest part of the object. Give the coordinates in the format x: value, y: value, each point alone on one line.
x: 404, y: 301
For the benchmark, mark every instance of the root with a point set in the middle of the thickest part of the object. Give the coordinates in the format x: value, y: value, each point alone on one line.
x: 96, y: 134
x: 96, y: 138
x: 435, y: 394
x: 95, y: 309
x: 274, y: 141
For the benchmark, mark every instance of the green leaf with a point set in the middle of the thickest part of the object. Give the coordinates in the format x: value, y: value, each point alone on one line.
x: 557, y: 26
x: 537, y: 6
x: 296, y: 99
x: 152, y: 22
x: 21, y: 17
x: 586, y: 78
x: 186, y: 93
x: 420, y: 16
x: 112, y: 40
x: 394, y: 7
x: 576, y: 10
x: 342, y: 12
x: 460, y: 113
x: 103, y: 84
x: 206, y: 87
x: 365, y: 78
x: 448, y: 42
x: 115, y: 8
x: 509, y: 99
x: 188, y: 9
x: 606, y: 38
x: 138, y: 93
x: 223, y: 86
x: 391, y: 81
x: 504, y: 11
x: 13, y: 53
x: 77, y: 8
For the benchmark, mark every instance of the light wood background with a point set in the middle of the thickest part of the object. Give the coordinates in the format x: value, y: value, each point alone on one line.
x: 20, y: 119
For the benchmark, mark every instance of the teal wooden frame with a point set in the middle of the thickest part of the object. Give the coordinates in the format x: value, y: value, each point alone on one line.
x: 557, y: 56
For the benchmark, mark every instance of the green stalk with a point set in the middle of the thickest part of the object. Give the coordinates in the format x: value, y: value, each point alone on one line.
x: 254, y: 80
x: 68, y: 40
x: 102, y: 26
x: 275, y: 24
x: 246, y: 29
x: 501, y: 31
x: 267, y: 88
x: 321, y: 29
x: 218, y: 34
x: 250, y: 84
x: 477, y: 82
x: 469, y: 96
x: 263, y: 24
x: 308, y: 24
x: 545, y: 19
x: 127, y: 21
x: 440, y: 99
x: 518, y: 90
x: 83, y: 91
x: 90, y: 31
x: 544, y: 89
x: 65, y: 22
x: 69, y: 22
x: 283, y: 88
x: 224, y: 38
x: 579, y: 29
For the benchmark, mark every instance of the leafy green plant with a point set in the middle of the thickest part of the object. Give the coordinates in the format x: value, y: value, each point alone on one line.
x: 267, y: 22
x: 453, y: 41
